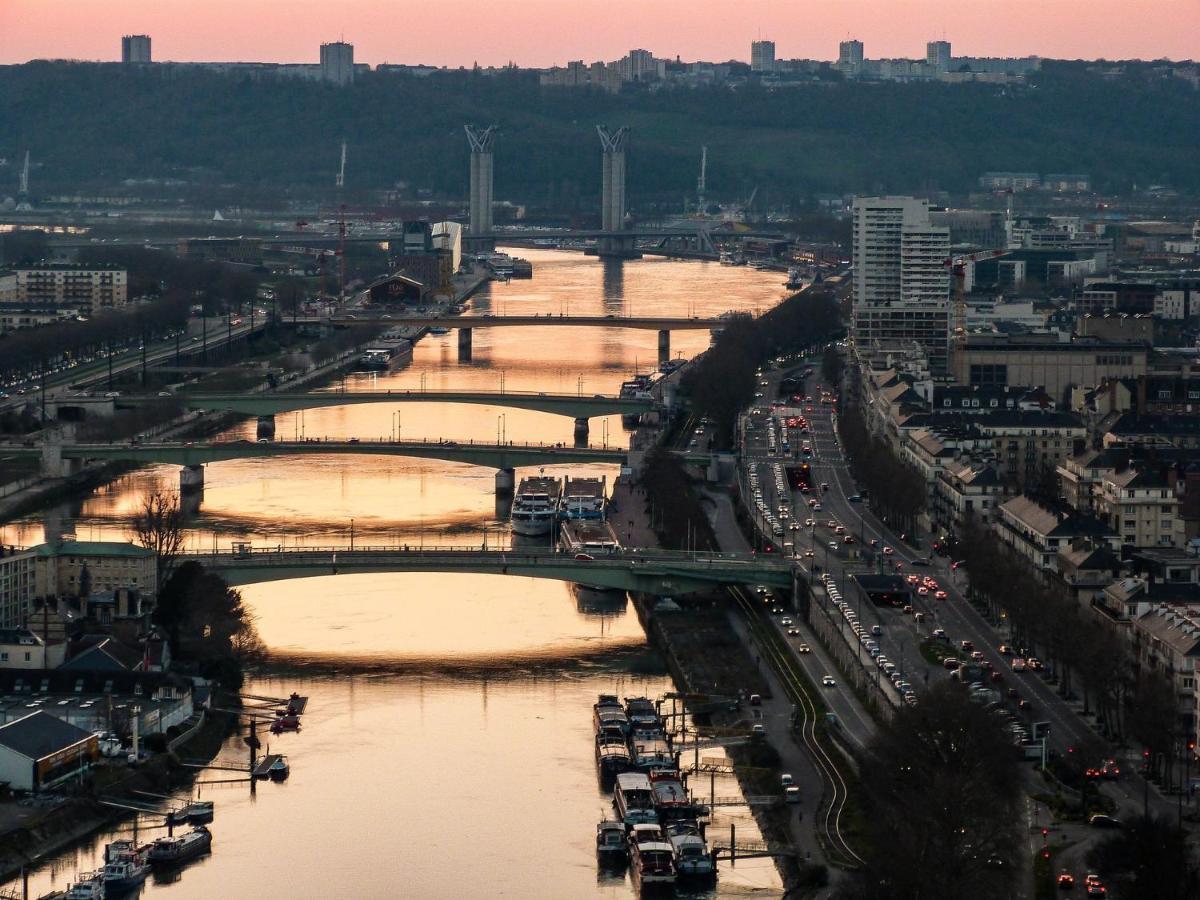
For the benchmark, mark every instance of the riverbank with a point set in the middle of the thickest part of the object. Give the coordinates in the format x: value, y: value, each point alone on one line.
x: 28, y: 836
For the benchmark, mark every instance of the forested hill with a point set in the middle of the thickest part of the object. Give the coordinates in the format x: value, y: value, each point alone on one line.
x: 95, y: 125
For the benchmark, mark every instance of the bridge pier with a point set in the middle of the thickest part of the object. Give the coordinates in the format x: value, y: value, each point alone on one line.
x: 191, y: 478
x: 506, y: 481
x: 664, y: 347
x: 52, y: 458
x: 265, y: 429
x: 464, y: 344
x: 581, y: 431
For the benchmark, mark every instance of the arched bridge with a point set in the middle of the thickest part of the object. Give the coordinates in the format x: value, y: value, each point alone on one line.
x: 653, y: 572
x: 580, y: 406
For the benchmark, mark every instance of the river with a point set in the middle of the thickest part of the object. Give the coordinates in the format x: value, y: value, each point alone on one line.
x: 447, y: 750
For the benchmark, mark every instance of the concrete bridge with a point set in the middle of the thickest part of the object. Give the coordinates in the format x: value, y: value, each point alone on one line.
x: 578, y: 406
x: 651, y: 572
x: 194, y: 454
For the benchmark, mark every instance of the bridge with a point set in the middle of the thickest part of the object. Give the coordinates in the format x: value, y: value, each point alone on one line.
x: 650, y: 571
x: 194, y: 454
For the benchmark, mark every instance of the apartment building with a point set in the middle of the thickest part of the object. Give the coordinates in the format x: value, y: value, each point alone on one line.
x: 18, y: 585
x: 1038, y: 532
x: 85, y: 289
x: 1141, y: 506
x: 1028, y: 444
x: 111, y: 565
x: 1166, y: 640
x: 966, y: 490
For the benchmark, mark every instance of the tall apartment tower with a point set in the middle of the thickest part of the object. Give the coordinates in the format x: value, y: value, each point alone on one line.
x: 135, y: 48
x: 762, y: 56
x: 901, y: 281
x: 337, y: 63
x: 482, y: 141
x: 937, y: 55
x: 850, y: 55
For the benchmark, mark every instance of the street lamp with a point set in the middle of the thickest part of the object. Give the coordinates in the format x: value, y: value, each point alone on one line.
x: 352, y: 533
x: 579, y: 385
x: 501, y: 428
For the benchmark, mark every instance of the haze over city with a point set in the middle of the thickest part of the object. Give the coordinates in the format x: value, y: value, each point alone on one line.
x: 539, y: 33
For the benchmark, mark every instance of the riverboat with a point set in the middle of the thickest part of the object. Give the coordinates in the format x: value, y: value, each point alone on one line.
x: 612, y: 759
x: 535, y: 505
x: 285, y: 721
x: 651, y: 753
x: 88, y: 886
x: 584, y: 498
x: 671, y: 798
x: 633, y: 799
x: 642, y: 713
x: 125, y: 868
x: 693, y: 859
x: 168, y: 851
x: 198, y: 812
x: 607, y: 714
x: 651, y: 857
x: 612, y: 847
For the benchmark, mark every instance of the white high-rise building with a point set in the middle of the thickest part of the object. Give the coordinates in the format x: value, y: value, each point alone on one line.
x: 850, y: 55
x: 901, y: 280
x: 937, y: 55
x: 762, y: 56
x: 337, y: 63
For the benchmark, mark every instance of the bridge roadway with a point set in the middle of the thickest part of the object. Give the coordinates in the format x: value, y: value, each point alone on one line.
x: 197, y: 453
x: 651, y: 571
x: 645, y: 323
x: 580, y: 406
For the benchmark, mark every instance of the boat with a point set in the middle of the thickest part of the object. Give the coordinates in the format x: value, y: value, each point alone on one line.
x: 501, y: 265
x: 167, y: 851
x: 199, y: 812
x: 650, y: 752
x: 612, y: 847
x: 584, y: 498
x: 651, y: 856
x: 88, y: 886
x: 690, y: 851
x: 285, y: 721
x: 279, y: 770
x: 671, y: 798
x: 535, y: 505
x: 125, y: 867
x: 633, y: 799
x: 388, y: 351
x: 612, y: 759
x: 439, y: 329
x: 607, y: 713
x: 795, y: 278
x: 642, y: 712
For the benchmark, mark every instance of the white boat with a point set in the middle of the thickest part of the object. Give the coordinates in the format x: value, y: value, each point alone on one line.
x: 633, y: 799
x: 584, y: 498
x: 535, y: 505
x: 690, y: 851
x: 124, y: 870
x: 651, y: 856
x: 88, y: 886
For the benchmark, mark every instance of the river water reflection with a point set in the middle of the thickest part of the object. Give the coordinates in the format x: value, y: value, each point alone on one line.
x: 448, y: 747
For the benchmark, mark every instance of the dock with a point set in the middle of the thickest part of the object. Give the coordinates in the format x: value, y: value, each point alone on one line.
x: 263, y: 768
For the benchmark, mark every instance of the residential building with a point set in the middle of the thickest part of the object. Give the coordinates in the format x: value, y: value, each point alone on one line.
x: 1166, y: 641
x: 937, y: 55
x: 38, y: 751
x: 966, y: 490
x: 850, y: 56
x: 1029, y: 446
x: 135, y: 48
x: 901, y: 283
x: 337, y: 63
x: 762, y: 57
x: 18, y: 586
x: 1010, y: 181
x: 110, y: 565
x: 1086, y: 571
x: 21, y: 648
x: 59, y: 286
x: 1038, y: 532
x: 1141, y: 506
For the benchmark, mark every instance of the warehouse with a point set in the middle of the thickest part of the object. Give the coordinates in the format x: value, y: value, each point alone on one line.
x: 38, y: 751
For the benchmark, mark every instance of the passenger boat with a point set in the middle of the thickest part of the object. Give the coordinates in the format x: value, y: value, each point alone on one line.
x: 584, y: 498
x: 651, y: 857
x: 535, y: 505
x: 88, y: 886
x: 612, y: 758
x: 125, y: 867
x: 651, y: 753
x: 167, y: 851
x: 612, y: 847
x: 633, y: 799
x: 690, y: 851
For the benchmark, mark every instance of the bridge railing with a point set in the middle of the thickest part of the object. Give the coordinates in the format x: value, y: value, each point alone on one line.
x: 383, y: 441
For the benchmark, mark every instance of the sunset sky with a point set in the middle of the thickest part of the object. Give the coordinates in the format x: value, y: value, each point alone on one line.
x: 549, y: 32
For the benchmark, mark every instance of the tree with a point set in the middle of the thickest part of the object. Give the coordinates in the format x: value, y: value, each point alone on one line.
x: 831, y: 365
x: 159, y: 527
x: 943, y: 787
x: 1151, y: 860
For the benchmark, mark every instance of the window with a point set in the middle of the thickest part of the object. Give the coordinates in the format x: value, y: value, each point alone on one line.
x: 3, y: 656
x: 946, y: 402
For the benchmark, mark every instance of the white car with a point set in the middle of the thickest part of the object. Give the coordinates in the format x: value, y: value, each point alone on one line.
x: 828, y: 681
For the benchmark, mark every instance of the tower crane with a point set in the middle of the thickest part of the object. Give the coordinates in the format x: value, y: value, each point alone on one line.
x: 958, y: 320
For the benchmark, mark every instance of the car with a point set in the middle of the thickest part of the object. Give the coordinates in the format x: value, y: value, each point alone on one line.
x: 967, y: 646
x: 951, y: 663
x: 848, y: 539
x: 809, y: 523
x: 874, y: 543
x: 833, y: 545
x: 1099, y: 820
x: 977, y: 655
x: 804, y: 648
x: 793, y: 631
x: 1066, y: 881
x: 756, y: 700
x: 923, y: 591
x: 888, y: 551
x: 817, y: 507
x: 1024, y: 705
x: 808, y: 554
x: 876, y: 630
x: 832, y: 524
x: 758, y: 731
x: 791, y: 794
x: 854, y: 498
x: 828, y: 681
x: 940, y: 634
x: 778, y: 610
x: 940, y: 595
x: 786, y: 620
x: 785, y: 779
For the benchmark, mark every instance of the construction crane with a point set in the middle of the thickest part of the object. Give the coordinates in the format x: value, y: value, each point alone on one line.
x: 958, y: 320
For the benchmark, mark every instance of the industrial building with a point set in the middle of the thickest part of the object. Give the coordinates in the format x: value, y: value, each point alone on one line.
x: 38, y: 751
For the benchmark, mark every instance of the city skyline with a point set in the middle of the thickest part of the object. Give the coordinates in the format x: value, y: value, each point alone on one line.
x: 291, y: 30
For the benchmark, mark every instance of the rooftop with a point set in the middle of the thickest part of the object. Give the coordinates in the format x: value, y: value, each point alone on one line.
x: 93, y: 548
x: 39, y: 735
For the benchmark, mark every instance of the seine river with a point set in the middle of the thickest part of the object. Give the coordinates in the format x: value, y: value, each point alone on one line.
x: 447, y: 749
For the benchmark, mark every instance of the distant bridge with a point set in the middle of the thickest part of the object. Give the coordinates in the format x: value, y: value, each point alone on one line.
x: 580, y: 406
x: 644, y: 323
x: 652, y: 571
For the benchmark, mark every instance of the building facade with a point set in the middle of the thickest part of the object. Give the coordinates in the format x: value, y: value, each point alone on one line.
x: 18, y: 586
x: 135, y: 48
x: 84, y: 289
x: 762, y: 56
x: 337, y: 63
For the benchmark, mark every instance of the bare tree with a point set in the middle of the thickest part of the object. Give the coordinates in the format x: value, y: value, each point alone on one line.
x: 158, y: 526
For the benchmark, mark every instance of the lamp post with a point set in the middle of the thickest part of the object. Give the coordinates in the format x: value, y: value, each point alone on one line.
x: 579, y: 385
x: 351, y: 533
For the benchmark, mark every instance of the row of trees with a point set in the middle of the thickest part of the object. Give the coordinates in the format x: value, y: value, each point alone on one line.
x: 1088, y: 657
x: 722, y: 383
x: 897, y: 490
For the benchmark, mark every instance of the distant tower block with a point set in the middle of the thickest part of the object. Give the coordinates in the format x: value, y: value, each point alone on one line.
x: 482, y: 141
x: 612, y: 194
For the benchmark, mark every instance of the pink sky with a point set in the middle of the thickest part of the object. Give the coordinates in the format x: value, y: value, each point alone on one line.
x: 549, y: 32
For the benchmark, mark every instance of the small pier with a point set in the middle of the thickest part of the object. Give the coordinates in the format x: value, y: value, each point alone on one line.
x: 262, y: 768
